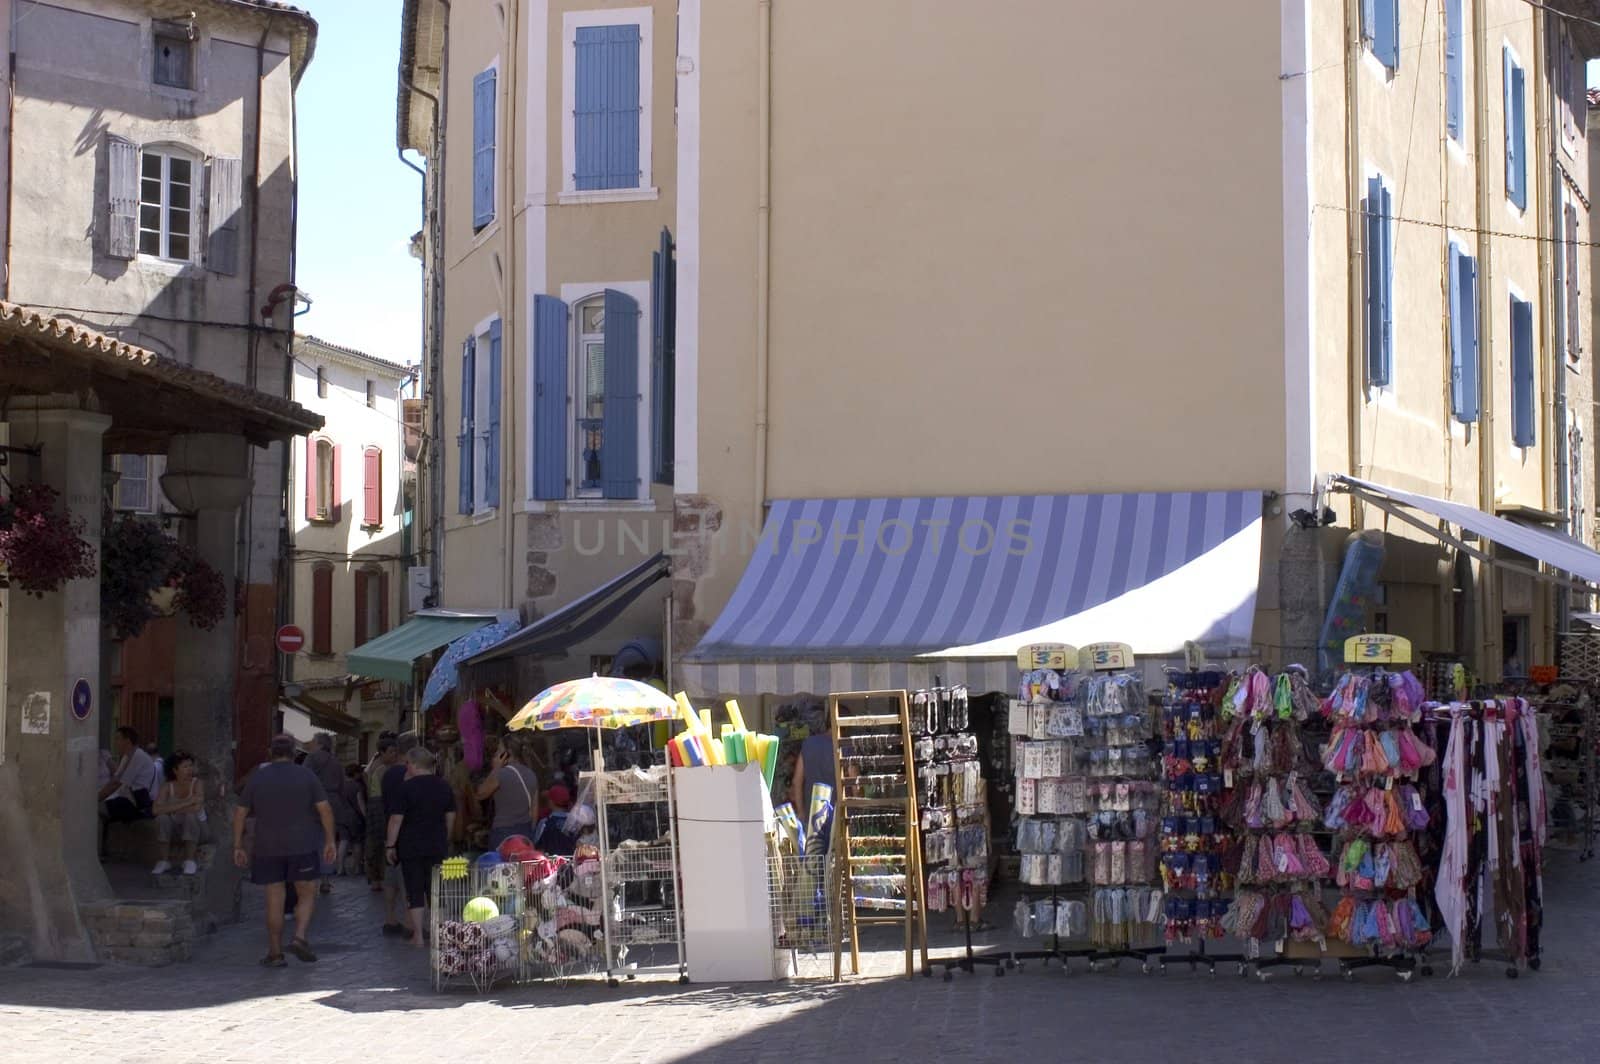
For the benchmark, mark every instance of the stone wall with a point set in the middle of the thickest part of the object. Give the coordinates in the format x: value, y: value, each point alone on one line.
x: 149, y: 933
x: 695, y: 522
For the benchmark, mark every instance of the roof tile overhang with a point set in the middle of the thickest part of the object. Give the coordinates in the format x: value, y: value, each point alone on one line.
x: 422, y: 34
x: 301, y: 27
x: 1583, y: 22
x: 151, y: 398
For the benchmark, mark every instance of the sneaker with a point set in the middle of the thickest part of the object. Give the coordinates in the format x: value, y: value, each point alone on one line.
x: 161, y: 868
x: 189, y: 868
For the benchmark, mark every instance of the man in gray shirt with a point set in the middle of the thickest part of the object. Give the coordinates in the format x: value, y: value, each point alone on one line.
x: 294, y: 837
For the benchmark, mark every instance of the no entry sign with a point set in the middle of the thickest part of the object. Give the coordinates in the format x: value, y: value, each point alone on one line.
x: 291, y: 640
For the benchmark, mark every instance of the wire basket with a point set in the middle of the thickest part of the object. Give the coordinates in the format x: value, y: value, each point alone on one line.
x: 800, y: 890
x: 562, y: 926
x: 476, y: 915
x: 631, y: 786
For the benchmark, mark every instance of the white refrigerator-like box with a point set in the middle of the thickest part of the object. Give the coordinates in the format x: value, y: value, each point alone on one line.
x: 724, y: 816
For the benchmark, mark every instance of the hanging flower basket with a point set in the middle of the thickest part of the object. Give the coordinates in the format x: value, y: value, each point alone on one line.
x: 41, y: 545
x: 146, y: 573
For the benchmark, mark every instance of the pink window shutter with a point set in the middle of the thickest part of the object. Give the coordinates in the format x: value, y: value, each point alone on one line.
x: 313, y: 506
x: 336, y: 504
x: 372, y: 493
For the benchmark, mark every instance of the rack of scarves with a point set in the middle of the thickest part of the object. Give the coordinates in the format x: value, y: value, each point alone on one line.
x: 1278, y: 865
x: 1490, y: 876
x: 1126, y: 902
x: 1195, y: 841
x: 952, y: 807
x: 1377, y: 815
x: 1050, y: 762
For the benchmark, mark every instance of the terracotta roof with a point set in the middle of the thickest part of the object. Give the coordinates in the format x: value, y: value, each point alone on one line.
x: 422, y: 29
x: 1594, y: 97
x: 302, y: 35
x: 283, y: 417
x: 400, y: 369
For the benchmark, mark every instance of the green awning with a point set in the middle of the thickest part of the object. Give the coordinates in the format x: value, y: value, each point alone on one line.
x: 392, y: 655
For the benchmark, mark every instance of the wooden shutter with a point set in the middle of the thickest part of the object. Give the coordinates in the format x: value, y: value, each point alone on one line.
x: 1457, y: 343
x: 225, y: 199
x: 336, y: 504
x: 322, y: 609
x: 1471, y: 368
x: 550, y: 423
x: 383, y: 601
x: 619, y: 446
x: 1573, y: 295
x: 313, y: 481
x: 483, y: 101
x: 464, y: 439
x: 1377, y: 305
x: 362, y: 580
x: 1454, y: 66
x: 122, y: 197
x: 1516, y: 123
x: 1523, y: 432
x: 663, y: 359
x: 606, y: 107
x: 1385, y: 31
x: 491, y: 431
x: 372, y: 488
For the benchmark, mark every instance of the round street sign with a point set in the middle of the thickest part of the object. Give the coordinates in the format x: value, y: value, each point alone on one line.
x: 82, y: 699
x: 291, y: 640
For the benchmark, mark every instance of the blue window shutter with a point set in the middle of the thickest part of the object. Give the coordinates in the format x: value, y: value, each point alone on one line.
x: 1453, y: 66
x: 619, y: 448
x: 1519, y: 108
x: 1522, y: 405
x: 1369, y: 19
x: 465, y: 441
x: 1372, y: 205
x: 483, y: 101
x: 1386, y: 243
x: 606, y: 107
x: 1386, y: 33
x: 1458, y: 349
x: 663, y: 359
x: 550, y: 427
x: 491, y: 430
x: 1470, y: 368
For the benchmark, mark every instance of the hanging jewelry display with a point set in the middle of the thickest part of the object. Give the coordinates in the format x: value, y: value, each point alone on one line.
x: 1195, y: 842
x: 1052, y: 795
x: 1278, y: 866
x: 1491, y: 869
x: 1377, y: 757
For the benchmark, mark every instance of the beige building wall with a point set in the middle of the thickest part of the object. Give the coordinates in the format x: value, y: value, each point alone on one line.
x: 528, y: 554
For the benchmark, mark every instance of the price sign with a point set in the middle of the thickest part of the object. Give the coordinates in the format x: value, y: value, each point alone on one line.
x: 1544, y: 675
x: 1377, y: 649
x: 1105, y: 657
x: 1057, y: 656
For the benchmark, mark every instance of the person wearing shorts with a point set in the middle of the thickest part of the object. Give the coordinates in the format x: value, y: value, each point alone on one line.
x: 294, y: 838
x: 395, y: 910
x: 420, y: 821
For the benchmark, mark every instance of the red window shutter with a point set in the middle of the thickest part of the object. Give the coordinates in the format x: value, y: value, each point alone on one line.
x: 336, y: 504
x: 383, y: 601
x: 322, y: 609
x: 313, y: 507
x: 372, y: 488
x: 362, y: 635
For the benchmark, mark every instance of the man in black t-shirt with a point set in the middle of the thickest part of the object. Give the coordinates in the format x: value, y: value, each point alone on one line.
x: 394, y: 908
x: 293, y: 838
x: 420, y: 818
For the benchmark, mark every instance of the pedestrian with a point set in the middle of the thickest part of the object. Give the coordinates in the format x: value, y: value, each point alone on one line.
x: 130, y: 792
x: 326, y: 768
x: 387, y: 754
x: 813, y: 766
x: 420, y: 822
x: 294, y: 837
x: 515, y: 790
x: 352, y: 831
x: 553, y: 837
x: 394, y: 775
x: 180, y: 814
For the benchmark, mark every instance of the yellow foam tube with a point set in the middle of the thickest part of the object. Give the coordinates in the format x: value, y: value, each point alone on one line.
x: 734, y: 716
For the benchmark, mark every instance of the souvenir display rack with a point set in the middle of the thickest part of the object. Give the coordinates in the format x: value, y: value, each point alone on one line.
x: 1279, y: 865
x: 1050, y: 764
x: 641, y: 908
x: 877, y: 848
x: 474, y: 923
x: 1126, y: 905
x: 1196, y: 843
x: 1570, y: 767
x: 953, y: 816
x: 1378, y: 810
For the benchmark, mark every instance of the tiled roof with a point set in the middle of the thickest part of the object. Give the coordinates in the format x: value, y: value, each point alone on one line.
x: 1594, y: 97
x: 288, y: 418
x: 307, y: 339
x: 422, y: 26
x: 303, y: 35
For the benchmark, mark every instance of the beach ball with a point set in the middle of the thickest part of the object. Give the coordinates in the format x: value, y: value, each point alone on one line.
x: 480, y: 909
x: 504, y: 878
x: 518, y: 848
x: 490, y: 859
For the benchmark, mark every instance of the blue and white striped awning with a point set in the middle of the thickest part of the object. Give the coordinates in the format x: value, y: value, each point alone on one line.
x: 862, y: 594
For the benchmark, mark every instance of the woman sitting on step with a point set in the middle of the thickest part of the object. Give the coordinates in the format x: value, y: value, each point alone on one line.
x: 180, y: 814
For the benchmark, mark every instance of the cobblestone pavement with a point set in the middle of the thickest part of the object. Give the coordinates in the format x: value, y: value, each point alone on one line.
x: 368, y: 1000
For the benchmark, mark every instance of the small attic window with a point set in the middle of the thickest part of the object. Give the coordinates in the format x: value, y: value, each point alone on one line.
x: 174, y: 54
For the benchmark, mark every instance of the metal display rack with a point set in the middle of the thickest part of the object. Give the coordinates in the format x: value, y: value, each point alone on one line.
x: 641, y: 908
x: 475, y: 954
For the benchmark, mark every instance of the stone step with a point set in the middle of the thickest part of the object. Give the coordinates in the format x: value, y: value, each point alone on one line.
x: 147, y: 933
x: 14, y: 951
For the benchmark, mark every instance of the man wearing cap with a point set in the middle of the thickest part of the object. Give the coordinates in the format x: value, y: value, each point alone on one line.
x: 294, y: 838
x: 553, y: 837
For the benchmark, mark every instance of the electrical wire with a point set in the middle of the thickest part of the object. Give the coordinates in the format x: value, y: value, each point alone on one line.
x: 1535, y: 237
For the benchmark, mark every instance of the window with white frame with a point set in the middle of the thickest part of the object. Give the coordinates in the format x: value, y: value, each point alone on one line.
x: 478, y: 444
x: 327, y: 492
x: 135, y: 490
x: 606, y: 103
x: 166, y: 205
x: 589, y: 397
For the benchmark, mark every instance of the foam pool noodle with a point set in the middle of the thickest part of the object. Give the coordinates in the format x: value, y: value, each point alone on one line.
x: 769, y: 757
x: 821, y: 810
x: 737, y: 718
x: 686, y: 711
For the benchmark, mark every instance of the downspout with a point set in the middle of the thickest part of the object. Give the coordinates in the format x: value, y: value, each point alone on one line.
x: 285, y: 545
x: 11, y: 139
x: 1488, y: 580
x: 1557, y: 478
x: 1355, y: 250
x: 763, y: 249
x: 508, y: 316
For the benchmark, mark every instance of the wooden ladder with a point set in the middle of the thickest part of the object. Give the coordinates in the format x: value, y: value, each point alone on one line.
x: 872, y: 730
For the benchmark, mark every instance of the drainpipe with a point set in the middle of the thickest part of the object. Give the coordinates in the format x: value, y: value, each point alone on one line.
x: 763, y: 249
x: 508, y: 315
x: 11, y: 139
x: 1488, y: 585
x: 285, y: 539
x: 1554, y: 452
x: 1355, y: 249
